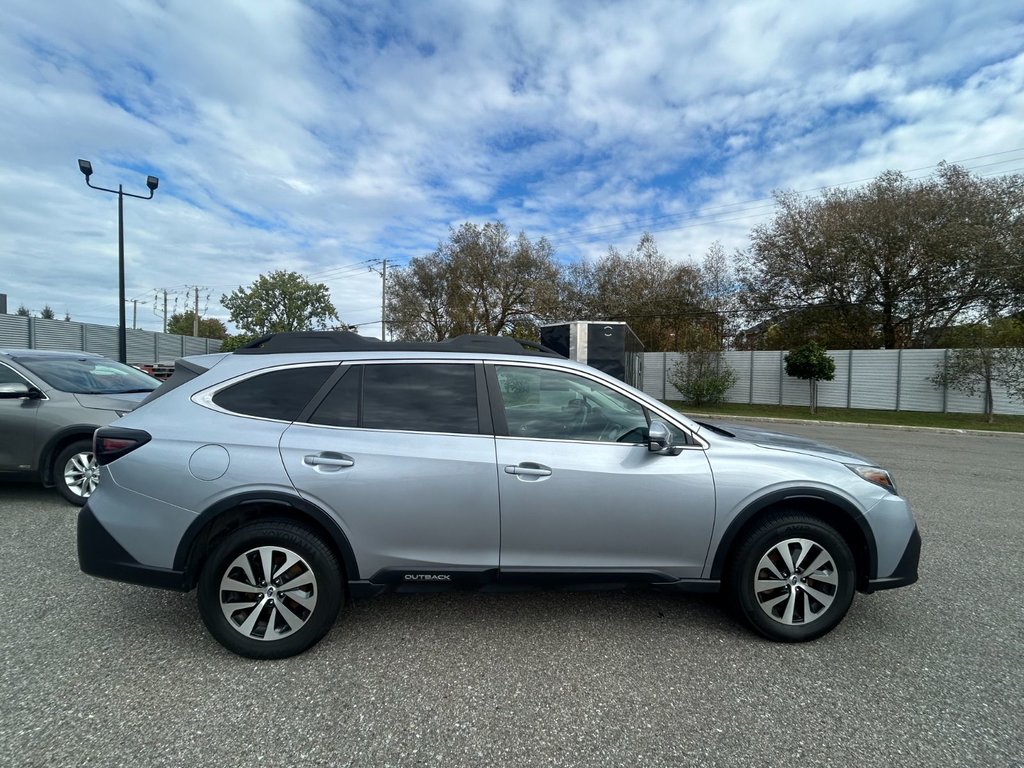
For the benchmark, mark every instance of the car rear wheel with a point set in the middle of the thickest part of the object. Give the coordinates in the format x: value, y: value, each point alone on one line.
x: 76, y: 473
x: 270, y: 590
x: 793, y: 578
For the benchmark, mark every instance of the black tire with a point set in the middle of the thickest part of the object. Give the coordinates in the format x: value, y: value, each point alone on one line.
x: 75, y: 472
x: 805, y: 605
x: 296, y: 619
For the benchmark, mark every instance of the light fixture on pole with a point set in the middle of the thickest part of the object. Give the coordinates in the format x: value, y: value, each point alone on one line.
x: 152, y: 182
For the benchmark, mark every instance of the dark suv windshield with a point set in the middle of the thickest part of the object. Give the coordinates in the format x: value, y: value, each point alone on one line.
x: 89, y: 375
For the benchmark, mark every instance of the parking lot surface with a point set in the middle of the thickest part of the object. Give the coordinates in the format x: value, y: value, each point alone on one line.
x: 96, y: 673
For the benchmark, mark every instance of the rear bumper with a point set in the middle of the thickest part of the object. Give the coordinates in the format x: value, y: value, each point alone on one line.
x: 99, y: 554
x: 906, y: 570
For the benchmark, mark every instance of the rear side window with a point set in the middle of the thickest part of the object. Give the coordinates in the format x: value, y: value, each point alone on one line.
x: 420, y: 397
x: 341, y: 406
x: 279, y: 395
x: 423, y: 397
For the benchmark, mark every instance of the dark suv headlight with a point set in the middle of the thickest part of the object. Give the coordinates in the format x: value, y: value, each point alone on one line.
x: 875, y: 475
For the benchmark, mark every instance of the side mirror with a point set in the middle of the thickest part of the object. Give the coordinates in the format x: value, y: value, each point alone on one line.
x: 19, y: 391
x: 659, y: 440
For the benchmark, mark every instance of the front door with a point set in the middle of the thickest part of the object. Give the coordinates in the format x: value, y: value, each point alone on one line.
x: 579, y: 489
x: 18, y: 444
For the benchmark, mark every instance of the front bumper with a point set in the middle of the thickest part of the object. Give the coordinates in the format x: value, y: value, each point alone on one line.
x: 905, y: 573
x: 99, y: 554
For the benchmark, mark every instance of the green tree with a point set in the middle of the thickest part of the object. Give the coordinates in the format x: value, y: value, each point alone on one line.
x: 23, y: 311
x: 481, y: 280
x: 234, y: 341
x: 182, y: 323
x: 660, y: 299
x: 280, y: 301
x: 47, y: 313
x: 813, y: 363
x: 982, y: 355
x: 891, y: 261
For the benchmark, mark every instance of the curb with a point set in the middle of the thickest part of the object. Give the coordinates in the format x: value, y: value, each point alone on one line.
x: 900, y: 427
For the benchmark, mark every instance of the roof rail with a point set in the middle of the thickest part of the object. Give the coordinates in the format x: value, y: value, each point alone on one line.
x: 345, y: 341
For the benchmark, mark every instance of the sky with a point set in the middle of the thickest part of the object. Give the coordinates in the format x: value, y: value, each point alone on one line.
x: 323, y: 137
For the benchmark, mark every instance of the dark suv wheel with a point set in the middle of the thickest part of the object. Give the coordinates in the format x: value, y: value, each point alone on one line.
x: 75, y: 472
x: 793, y: 578
x: 270, y: 590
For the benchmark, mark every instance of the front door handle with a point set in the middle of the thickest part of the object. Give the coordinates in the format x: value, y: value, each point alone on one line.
x: 528, y: 470
x: 333, y: 460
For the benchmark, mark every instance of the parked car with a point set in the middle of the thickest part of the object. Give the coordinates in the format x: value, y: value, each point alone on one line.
x: 306, y: 469
x: 51, y: 402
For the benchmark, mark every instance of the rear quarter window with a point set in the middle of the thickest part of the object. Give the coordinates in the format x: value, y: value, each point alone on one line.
x: 280, y: 395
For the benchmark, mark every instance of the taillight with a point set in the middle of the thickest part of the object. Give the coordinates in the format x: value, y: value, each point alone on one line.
x: 111, y: 443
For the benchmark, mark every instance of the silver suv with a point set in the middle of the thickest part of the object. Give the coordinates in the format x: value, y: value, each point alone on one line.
x: 286, y: 478
x: 50, y: 404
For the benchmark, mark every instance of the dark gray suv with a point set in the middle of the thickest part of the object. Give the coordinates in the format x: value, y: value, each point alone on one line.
x: 51, y: 402
x: 308, y: 469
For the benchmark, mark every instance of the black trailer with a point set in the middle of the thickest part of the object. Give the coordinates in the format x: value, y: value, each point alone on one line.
x: 611, y: 347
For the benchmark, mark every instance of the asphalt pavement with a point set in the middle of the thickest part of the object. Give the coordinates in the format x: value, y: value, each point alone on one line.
x: 97, y: 673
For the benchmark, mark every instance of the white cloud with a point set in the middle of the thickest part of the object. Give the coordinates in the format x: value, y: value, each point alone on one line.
x: 293, y: 136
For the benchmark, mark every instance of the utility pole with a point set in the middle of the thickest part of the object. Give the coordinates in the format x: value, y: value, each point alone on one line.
x: 165, y: 310
x: 383, y: 272
x: 195, y: 318
x: 135, y: 314
x: 383, y: 298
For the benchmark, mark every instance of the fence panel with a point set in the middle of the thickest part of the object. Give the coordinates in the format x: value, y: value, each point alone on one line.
x: 874, y: 379
x: 101, y: 339
x: 142, y: 346
x: 14, y: 331
x: 169, y: 347
x: 836, y: 393
x: 56, y: 334
x: 194, y: 346
x: 767, y: 377
x: 880, y: 379
x: 917, y: 393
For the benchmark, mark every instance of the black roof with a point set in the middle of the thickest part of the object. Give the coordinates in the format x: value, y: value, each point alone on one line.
x: 344, y: 341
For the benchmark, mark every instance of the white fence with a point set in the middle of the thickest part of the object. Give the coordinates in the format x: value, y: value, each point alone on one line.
x: 882, y: 379
x: 143, y: 346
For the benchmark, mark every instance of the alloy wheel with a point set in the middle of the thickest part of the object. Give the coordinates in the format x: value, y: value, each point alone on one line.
x: 796, y: 581
x: 268, y: 593
x: 81, y: 474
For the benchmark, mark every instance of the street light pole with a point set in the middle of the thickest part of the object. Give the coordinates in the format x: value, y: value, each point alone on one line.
x: 152, y: 182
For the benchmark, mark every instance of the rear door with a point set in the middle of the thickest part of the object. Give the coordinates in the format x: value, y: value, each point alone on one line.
x: 403, y: 453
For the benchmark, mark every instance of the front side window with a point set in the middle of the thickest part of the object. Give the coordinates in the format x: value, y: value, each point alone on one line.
x: 89, y: 375
x: 279, y: 395
x: 10, y: 376
x: 555, y: 405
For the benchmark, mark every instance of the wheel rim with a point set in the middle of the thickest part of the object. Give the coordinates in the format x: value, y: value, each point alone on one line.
x: 796, y: 581
x: 82, y: 474
x: 268, y: 593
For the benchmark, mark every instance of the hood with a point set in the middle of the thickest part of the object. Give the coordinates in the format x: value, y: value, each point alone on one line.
x: 125, y: 402
x: 784, y: 442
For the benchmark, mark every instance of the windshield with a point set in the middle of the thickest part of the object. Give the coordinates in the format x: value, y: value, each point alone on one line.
x: 89, y: 375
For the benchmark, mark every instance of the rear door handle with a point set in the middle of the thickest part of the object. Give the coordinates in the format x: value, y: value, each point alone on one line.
x: 528, y: 470
x: 333, y: 460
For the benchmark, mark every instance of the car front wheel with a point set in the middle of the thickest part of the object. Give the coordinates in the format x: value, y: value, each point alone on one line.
x: 270, y: 590
x: 75, y: 472
x: 793, y: 578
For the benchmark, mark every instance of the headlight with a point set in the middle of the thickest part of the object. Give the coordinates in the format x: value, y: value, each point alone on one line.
x: 875, y: 475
